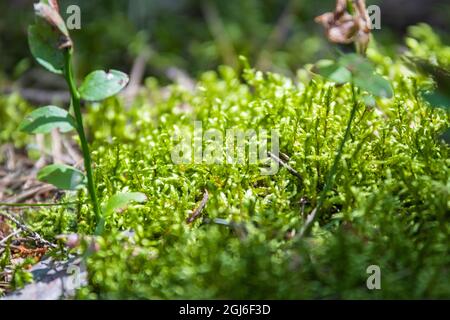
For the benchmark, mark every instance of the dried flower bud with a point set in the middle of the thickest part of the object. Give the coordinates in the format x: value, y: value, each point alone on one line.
x: 342, y: 27
x: 50, y: 13
x: 94, y: 246
x: 72, y: 240
x: 54, y: 4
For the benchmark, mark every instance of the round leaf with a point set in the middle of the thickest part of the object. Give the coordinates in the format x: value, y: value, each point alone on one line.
x: 374, y: 84
x: 333, y: 72
x: 121, y: 200
x: 45, y: 119
x: 357, y: 64
x: 364, y: 75
x: 62, y: 176
x: 353, y: 67
x: 43, y: 44
x: 100, y: 85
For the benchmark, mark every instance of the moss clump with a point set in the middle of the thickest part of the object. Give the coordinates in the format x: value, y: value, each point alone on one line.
x: 388, y: 207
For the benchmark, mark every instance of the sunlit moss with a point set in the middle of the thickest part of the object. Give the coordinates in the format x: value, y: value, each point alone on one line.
x: 389, y: 205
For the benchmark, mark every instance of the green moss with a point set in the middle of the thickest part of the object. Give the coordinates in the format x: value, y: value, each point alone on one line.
x: 12, y: 110
x: 389, y: 205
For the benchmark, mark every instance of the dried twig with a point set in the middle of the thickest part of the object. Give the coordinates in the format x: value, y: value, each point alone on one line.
x: 239, y: 228
x: 196, y: 213
x: 10, y: 157
x: 285, y: 165
x: 37, y: 205
x: 31, y: 192
x: 13, y: 181
x: 25, y: 228
x: 181, y: 77
x: 40, y: 96
x: 71, y: 151
x: 303, y: 202
x: 11, y: 235
x: 56, y: 147
x: 277, y: 36
x: 136, y: 75
x: 309, y: 220
x: 218, y: 31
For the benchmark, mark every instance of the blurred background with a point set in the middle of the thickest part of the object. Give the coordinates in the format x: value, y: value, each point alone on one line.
x: 166, y: 37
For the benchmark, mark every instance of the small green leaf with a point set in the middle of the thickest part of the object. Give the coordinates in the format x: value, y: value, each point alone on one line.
x: 333, y: 72
x: 374, y: 84
x: 62, y: 176
x: 116, y: 202
x: 45, y: 119
x: 100, y: 85
x: 356, y: 64
x: 121, y: 200
x: 353, y: 67
x: 365, y: 77
x: 43, y: 44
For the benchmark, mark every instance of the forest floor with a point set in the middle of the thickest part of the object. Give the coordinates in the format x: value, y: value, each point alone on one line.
x: 214, y: 229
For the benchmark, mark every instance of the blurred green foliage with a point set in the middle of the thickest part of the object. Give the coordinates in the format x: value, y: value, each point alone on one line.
x: 191, y: 35
x: 424, y: 43
x: 12, y: 111
x: 188, y: 34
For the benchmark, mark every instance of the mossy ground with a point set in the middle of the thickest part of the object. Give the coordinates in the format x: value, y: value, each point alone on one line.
x: 388, y: 207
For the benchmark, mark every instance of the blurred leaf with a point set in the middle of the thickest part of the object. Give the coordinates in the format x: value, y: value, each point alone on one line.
x: 437, y: 99
x: 358, y: 68
x: 439, y: 73
x: 116, y: 202
x: 369, y: 100
x: 441, y: 96
x: 446, y: 136
x: 45, y: 119
x: 43, y: 44
x: 62, y: 176
x: 121, y: 200
x: 374, y: 84
x: 356, y: 64
x: 100, y: 85
x: 365, y: 77
x: 333, y: 72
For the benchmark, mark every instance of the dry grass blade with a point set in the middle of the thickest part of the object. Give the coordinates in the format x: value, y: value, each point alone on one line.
x: 11, y: 235
x: 196, y: 213
x: 285, y: 165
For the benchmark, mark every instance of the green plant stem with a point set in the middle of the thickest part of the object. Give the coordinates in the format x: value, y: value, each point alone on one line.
x: 68, y: 73
x: 315, y: 214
